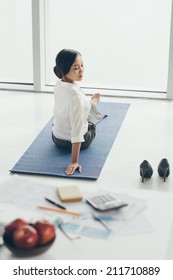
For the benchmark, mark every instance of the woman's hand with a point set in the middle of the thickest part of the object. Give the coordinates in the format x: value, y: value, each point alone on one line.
x: 95, y: 98
x: 74, y: 160
x: 72, y: 167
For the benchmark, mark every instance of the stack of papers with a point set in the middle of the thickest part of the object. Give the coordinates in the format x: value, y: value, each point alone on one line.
x: 97, y: 224
x: 28, y: 194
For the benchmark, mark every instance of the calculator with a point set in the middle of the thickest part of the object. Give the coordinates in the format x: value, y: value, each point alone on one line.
x: 103, y: 202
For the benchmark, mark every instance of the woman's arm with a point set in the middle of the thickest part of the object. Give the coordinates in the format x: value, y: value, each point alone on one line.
x: 74, y: 159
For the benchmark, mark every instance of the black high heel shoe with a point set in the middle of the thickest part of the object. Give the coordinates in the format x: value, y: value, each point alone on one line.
x: 146, y: 170
x: 164, y: 168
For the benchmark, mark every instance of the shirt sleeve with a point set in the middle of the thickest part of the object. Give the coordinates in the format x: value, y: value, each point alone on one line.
x: 77, y: 119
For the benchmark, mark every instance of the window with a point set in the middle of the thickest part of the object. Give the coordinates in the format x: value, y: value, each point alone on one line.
x: 124, y: 43
x: 16, y: 42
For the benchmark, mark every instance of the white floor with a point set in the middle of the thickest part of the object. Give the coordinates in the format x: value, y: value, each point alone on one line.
x: 146, y: 133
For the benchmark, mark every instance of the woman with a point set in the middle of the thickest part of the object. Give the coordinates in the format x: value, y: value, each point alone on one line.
x: 71, y: 126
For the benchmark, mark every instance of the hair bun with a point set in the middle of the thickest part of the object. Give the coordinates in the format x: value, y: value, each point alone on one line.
x: 57, y: 73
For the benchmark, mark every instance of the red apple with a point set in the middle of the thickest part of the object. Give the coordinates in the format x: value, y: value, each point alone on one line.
x: 12, y: 226
x: 46, y: 231
x: 25, y: 237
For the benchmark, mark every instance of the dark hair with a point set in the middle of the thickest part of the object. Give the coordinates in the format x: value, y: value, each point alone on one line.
x: 64, y: 60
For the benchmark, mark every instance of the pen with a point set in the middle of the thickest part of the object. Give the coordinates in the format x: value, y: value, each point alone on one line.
x: 58, y: 210
x: 54, y: 203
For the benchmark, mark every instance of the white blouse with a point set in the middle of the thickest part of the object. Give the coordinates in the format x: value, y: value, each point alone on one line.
x: 71, y: 110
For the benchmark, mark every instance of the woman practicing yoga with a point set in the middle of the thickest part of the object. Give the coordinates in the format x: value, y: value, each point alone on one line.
x: 73, y: 112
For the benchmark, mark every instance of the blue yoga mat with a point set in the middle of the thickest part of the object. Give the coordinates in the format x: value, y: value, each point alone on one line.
x: 44, y: 158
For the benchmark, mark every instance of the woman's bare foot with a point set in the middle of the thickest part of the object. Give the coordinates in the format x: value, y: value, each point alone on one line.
x: 95, y: 98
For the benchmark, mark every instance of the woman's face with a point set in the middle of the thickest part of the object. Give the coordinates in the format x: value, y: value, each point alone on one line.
x: 76, y: 70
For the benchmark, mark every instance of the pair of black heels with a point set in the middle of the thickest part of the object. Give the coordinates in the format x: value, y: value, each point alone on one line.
x: 146, y: 170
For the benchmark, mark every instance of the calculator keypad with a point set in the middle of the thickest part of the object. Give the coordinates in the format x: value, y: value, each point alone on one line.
x: 102, y: 199
x: 105, y: 202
